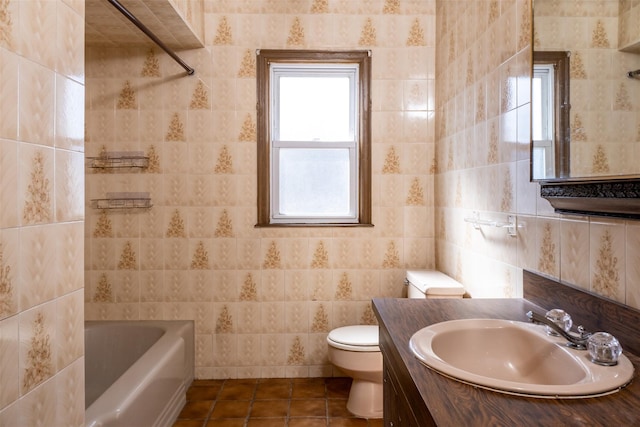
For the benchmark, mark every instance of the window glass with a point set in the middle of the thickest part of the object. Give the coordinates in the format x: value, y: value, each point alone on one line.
x: 542, y: 121
x: 315, y: 182
x: 542, y: 102
x: 550, y: 110
x: 315, y: 108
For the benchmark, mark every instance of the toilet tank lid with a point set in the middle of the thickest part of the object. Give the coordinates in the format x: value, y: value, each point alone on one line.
x: 431, y: 282
x: 358, y: 335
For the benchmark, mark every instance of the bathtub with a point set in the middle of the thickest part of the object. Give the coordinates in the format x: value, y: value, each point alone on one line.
x: 137, y: 372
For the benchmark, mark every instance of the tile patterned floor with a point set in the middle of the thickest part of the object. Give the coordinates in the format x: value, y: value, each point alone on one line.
x: 278, y: 402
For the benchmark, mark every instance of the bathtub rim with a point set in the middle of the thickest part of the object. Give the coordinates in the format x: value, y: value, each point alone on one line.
x: 176, y: 333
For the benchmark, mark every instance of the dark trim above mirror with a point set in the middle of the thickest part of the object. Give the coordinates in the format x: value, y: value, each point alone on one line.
x: 610, y: 196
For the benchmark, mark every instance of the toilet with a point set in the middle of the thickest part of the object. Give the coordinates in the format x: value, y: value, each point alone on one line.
x: 432, y: 284
x: 354, y: 349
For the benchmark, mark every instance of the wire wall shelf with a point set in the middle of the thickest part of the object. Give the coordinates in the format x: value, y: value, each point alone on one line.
x: 119, y: 159
x: 123, y: 201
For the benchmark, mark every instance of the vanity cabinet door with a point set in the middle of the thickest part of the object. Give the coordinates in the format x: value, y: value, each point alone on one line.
x: 397, y: 412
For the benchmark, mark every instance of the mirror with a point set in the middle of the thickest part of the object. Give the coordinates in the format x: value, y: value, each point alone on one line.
x: 601, y: 40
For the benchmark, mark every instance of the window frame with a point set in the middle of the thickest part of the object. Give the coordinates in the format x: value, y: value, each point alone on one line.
x: 559, y: 62
x: 545, y: 73
x: 264, y: 59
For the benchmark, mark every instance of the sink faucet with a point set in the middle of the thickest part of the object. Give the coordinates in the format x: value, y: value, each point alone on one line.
x: 578, y: 341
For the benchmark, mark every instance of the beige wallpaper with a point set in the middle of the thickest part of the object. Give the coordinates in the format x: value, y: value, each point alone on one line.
x: 41, y: 213
x: 263, y: 299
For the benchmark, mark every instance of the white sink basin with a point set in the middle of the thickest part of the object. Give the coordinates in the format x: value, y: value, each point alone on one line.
x: 515, y: 357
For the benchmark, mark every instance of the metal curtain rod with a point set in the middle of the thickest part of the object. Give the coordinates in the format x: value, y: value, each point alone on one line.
x: 634, y: 74
x: 150, y: 34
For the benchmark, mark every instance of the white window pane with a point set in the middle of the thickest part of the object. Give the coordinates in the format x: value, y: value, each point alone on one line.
x: 314, y: 182
x: 539, y: 163
x: 542, y: 102
x: 543, y: 160
x: 315, y: 109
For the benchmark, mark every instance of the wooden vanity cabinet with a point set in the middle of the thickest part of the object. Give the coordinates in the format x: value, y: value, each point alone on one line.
x: 397, y: 411
x: 403, y: 404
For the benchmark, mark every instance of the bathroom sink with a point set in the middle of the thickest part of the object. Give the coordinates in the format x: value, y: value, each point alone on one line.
x: 515, y: 357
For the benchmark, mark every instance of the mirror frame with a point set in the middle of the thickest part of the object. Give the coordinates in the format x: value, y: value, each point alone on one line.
x: 611, y: 196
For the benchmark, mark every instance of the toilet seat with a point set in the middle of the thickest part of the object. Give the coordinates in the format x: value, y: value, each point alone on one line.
x: 354, y: 338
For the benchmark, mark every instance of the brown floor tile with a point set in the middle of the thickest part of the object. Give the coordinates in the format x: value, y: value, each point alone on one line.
x: 207, y: 383
x: 203, y: 393
x: 267, y: 422
x: 277, y: 388
x: 347, y: 422
x: 231, y: 409
x: 308, y: 388
x: 269, y: 408
x: 271, y: 402
x: 189, y: 423
x: 238, y: 389
x: 196, y: 410
x: 307, y: 422
x: 338, y: 387
x: 338, y: 408
x: 230, y: 422
x: 308, y: 408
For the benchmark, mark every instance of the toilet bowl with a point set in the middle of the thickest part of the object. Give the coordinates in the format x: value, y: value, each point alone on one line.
x: 354, y: 349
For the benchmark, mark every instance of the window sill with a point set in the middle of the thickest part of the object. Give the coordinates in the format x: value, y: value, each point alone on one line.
x: 288, y: 225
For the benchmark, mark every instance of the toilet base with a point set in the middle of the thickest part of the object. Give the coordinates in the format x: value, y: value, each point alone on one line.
x: 365, y: 399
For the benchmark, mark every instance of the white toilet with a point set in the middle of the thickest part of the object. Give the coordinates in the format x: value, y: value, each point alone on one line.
x: 354, y: 349
x: 432, y: 284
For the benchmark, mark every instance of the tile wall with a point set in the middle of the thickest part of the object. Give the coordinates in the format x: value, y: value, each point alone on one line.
x: 41, y: 213
x: 482, y: 140
x: 263, y: 299
x: 482, y: 154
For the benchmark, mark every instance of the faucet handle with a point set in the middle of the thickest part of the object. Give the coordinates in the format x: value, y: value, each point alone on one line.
x: 604, y: 349
x: 560, y: 318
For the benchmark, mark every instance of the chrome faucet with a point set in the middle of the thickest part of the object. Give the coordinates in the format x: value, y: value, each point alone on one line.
x: 577, y: 341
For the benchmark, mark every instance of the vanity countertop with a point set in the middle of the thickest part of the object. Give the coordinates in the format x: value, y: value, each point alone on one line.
x: 441, y: 401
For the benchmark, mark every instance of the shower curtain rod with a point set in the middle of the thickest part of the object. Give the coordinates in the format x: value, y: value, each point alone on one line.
x: 150, y: 34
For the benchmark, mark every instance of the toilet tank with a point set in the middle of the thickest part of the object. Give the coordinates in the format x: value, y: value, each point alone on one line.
x: 432, y: 284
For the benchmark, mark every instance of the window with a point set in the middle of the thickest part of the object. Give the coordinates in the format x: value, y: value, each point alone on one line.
x: 542, y: 121
x: 314, y: 148
x: 550, y: 132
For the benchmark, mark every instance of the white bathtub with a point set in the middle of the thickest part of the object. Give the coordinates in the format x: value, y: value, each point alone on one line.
x: 137, y: 372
